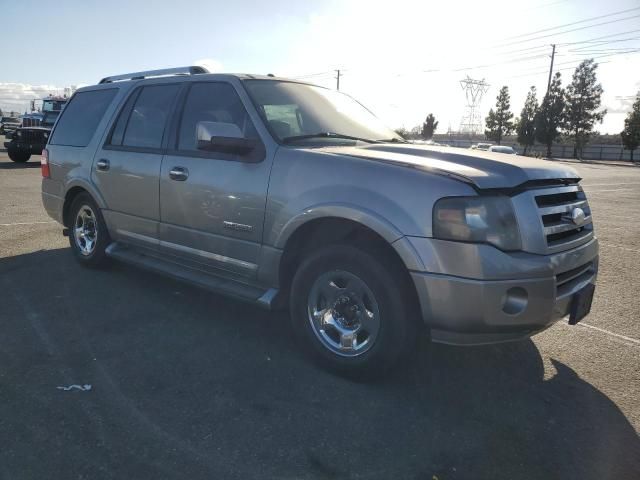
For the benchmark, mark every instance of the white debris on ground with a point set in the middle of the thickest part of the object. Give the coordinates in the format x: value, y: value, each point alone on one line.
x: 82, y: 388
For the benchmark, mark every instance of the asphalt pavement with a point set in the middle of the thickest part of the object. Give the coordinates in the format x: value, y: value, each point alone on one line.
x: 172, y: 382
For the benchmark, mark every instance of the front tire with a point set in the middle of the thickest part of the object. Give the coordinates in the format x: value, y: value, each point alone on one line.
x: 88, y: 233
x: 19, y: 156
x: 352, y: 311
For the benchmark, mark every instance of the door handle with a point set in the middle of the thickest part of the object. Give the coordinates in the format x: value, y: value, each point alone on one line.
x: 102, y: 164
x: 179, y: 174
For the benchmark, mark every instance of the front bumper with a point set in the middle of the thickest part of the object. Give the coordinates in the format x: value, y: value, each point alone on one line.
x: 32, y: 148
x: 475, y: 294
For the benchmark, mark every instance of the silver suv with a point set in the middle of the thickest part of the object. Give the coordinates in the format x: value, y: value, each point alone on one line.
x: 280, y: 193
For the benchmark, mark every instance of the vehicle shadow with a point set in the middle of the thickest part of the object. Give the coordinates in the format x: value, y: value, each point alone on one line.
x: 9, y: 165
x: 187, y: 384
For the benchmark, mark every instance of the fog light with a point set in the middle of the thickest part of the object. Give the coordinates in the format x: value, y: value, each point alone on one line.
x: 515, y: 301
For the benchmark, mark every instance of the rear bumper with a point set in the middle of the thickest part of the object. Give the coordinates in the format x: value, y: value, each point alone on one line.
x: 51, y: 200
x: 504, y: 296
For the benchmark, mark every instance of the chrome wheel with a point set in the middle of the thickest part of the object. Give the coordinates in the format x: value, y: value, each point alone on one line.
x: 343, y: 313
x: 85, y: 230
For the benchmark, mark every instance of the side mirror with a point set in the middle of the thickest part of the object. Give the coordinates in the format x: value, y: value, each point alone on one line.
x: 223, y: 137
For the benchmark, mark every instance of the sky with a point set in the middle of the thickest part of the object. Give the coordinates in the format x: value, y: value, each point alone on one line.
x: 402, y: 59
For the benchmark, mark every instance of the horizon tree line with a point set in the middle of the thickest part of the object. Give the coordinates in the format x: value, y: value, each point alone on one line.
x: 573, y: 111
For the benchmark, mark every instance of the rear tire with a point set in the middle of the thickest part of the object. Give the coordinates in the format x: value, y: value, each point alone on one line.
x: 352, y: 312
x: 19, y: 156
x: 88, y: 233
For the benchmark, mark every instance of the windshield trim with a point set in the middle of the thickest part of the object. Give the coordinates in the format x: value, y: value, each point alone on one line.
x: 265, y: 122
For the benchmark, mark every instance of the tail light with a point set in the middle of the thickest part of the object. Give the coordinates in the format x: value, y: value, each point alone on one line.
x: 44, y: 164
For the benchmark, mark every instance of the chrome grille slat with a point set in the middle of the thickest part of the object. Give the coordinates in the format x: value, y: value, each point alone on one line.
x: 555, y: 206
x: 565, y: 226
x: 563, y: 208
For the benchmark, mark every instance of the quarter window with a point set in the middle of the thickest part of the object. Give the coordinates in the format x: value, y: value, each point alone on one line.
x: 81, y: 117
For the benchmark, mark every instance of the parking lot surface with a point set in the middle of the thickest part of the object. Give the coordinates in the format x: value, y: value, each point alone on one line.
x: 175, y: 382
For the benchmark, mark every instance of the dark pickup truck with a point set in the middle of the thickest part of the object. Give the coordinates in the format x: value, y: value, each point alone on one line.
x: 31, y: 140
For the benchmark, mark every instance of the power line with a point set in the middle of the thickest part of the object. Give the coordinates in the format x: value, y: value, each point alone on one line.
x: 599, y: 38
x: 600, y: 44
x: 512, y: 60
x: 308, y: 75
x: 569, y: 31
x: 574, y: 23
x: 544, y: 72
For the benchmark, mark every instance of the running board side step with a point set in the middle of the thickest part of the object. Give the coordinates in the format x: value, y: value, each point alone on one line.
x: 248, y: 293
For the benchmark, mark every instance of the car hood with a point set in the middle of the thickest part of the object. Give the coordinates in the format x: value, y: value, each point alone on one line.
x: 482, y: 169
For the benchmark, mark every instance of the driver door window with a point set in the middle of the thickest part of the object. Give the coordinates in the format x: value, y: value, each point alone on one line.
x: 212, y: 102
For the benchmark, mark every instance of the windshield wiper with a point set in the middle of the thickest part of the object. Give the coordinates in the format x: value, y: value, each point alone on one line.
x: 326, y: 135
x: 393, y: 140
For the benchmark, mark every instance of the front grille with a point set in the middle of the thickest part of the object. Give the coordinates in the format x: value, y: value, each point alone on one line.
x: 567, y: 281
x: 32, y: 136
x: 556, y: 208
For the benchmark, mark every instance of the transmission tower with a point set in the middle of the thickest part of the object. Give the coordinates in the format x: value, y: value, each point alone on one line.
x: 473, y: 90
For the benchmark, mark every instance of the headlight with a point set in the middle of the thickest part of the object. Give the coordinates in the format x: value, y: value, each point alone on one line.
x: 18, y: 133
x: 477, y: 219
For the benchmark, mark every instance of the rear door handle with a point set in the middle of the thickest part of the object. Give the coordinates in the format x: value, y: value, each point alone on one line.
x: 179, y: 174
x: 102, y: 164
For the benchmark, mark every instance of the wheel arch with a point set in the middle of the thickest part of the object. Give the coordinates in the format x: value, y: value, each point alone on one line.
x: 369, y: 233
x: 75, y: 188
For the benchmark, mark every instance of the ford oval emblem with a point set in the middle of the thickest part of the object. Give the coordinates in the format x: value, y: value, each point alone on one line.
x: 578, y: 216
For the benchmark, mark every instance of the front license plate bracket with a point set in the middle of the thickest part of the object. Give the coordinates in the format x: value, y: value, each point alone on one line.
x: 581, y: 304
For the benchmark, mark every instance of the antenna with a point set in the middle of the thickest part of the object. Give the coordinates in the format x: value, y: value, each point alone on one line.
x: 473, y: 90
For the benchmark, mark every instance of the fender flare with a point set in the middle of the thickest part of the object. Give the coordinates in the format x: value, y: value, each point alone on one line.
x: 355, y: 213
x: 89, y: 187
x: 346, y: 211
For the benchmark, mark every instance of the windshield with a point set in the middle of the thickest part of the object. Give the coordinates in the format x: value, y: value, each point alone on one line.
x: 294, y: 110
x: 52, y: 105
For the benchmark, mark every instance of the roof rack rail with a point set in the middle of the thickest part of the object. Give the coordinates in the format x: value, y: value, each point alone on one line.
x: 192, y: 70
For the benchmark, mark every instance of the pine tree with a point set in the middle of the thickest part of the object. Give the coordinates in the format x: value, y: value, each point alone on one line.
x: 499, y: 122
x: 429, y: 127
x: 525, y: 126
x: 550, y: 114
x: 631, y: 133
x: 583, y: 100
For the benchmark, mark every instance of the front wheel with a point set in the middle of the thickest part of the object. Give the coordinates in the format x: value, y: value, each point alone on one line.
x: 19, y: 156
x: 88, y: 233
x: 352, y: 311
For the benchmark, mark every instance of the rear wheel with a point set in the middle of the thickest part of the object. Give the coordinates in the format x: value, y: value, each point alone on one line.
x: 352, y: 311
x: 88, y: 233
x: 19, y: 156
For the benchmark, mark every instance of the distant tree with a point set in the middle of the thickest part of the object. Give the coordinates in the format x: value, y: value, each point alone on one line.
x: 550, y: 114
x: 583, y: 100
x: 403, y: 132
x: 416, y: 132
x: 525, y: 126
x: 1, y: 114
x: 631, y: 133
x: 429, y: 127
x: 499, y: 122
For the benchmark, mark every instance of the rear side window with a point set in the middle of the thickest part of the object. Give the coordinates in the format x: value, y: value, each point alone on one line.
x: 143, y: 118
x: 81, y: 116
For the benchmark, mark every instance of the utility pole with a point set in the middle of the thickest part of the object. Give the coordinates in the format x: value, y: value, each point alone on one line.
x: 553, y: 54
x: 338, y: 79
